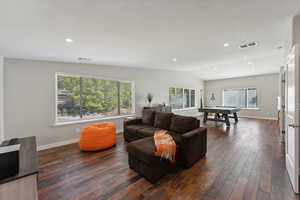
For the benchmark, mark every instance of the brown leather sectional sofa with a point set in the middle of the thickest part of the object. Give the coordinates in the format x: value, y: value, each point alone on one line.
x: 190, y: 139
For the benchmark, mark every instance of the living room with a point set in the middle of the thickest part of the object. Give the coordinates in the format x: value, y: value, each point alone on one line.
x: 87, y: 90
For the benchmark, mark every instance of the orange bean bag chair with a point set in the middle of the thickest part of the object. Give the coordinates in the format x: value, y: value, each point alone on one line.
x: 96, y: 137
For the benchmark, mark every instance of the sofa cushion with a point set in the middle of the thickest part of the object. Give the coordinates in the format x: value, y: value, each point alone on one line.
x: 163, y: 120
x: 143, y: 149
x: 148, y: 117
x: 148, y: 131
x: 134, y: 131
x: 183, y: 124
x: 136, y: 127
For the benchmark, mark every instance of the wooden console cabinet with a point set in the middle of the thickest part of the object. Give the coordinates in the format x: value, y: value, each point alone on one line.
x: 160, y: 108
x: 23, y: 186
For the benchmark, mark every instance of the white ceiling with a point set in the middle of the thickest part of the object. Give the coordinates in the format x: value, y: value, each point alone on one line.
x: 149, y: 34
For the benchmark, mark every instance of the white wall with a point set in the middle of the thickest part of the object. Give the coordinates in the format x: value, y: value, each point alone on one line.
x: 29, y: 94
x: 268, y: 91
x: 1, y: 100
x: 296, y: 30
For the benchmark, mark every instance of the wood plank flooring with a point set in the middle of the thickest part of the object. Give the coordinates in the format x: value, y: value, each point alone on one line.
x: 243, y: 162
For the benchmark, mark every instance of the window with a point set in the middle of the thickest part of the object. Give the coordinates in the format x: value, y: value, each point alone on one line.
x: 83, y: 98
x: 251, y: 98
x: 180, y: 98
x: 193, y: 93
x: 240, y: 97
x: 186, y: 100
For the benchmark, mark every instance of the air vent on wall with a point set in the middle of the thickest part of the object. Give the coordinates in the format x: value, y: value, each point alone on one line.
x: 247, y: 45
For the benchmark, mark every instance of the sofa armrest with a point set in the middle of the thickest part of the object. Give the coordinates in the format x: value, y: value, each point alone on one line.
x: 126, y: 132
x: 193, y: 146
x: 132, y: 121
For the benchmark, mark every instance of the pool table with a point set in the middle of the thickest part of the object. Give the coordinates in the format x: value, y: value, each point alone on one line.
x: 222, y: 113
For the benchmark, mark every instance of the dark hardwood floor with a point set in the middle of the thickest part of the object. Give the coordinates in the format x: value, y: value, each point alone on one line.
x: 243, y: 162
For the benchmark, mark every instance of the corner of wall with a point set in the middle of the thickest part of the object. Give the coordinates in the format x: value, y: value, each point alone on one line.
x: 1, y: 98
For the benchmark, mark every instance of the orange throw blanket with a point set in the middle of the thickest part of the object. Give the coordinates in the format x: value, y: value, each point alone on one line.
x: 165, y: 145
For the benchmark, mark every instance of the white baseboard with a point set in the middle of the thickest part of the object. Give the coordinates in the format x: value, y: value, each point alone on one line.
x: 57, y: 144
x: 62, y: 143
x: 257, y: 117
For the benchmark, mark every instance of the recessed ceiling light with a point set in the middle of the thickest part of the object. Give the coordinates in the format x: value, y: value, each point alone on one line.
x: 226, y: 44
x: 174, y: 59
x: 250, y: 63
x: 69, y: 40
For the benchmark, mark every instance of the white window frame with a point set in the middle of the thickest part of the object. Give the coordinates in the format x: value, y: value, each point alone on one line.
x: 58, y: 123
x: 183, y: 108
x: 257, y: 94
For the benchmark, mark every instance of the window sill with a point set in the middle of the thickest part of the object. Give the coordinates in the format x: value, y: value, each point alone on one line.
x: 250, y: 108
x: 91, y: 120
x: 183, y: 109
